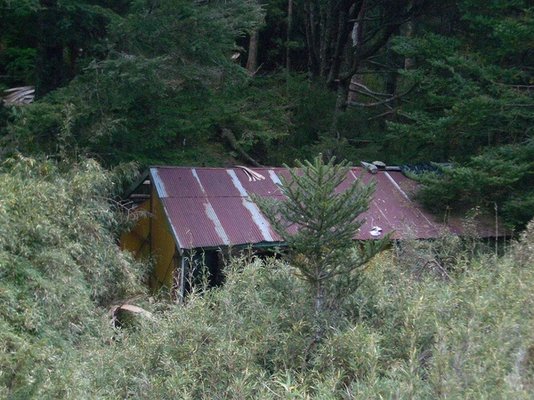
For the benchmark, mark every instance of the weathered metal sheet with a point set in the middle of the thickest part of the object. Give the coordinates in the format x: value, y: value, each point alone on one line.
x: 239, y: 222
x: 210, y: 212
x: 265, y: 187
x: 158, y: 183
x: 393, y: 211
x: 178, y: 182
x: 211, y: 207
x: 192, y: 226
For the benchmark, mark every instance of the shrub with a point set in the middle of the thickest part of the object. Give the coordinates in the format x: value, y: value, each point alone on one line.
x: 59, y: 266
x: 399, y: 335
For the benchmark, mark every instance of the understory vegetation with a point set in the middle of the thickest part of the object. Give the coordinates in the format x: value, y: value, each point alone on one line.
x: 109, y: 87
x: 407, y: 331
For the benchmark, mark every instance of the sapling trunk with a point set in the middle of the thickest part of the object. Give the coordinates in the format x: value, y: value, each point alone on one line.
x: 319, y: 299
x: 319, y: 305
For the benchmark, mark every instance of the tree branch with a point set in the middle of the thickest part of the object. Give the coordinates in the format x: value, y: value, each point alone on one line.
x: 366, y: 90
x: 382, y: 102
x: 229, y: 135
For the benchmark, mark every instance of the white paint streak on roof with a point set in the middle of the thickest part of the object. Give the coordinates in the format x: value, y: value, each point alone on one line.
x: 237, y: 183
x: 158, y: 183
x: 210, y: 212
x: 252, y: 208
x: 162, y: 193
x: 417, y: 210
x: 397, y: 186
x: 274, y: 177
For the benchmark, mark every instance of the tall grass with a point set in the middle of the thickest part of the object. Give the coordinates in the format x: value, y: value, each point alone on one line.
x: 404, y: 333
x: 401, y: 335
x: 59, y: 269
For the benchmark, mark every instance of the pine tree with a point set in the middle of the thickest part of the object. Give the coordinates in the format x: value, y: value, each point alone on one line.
x: 473, y: 107
x: 318, y: 225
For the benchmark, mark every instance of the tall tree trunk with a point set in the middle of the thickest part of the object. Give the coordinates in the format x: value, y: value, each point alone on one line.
x: 343, y: 30
x: 50, y: 61
x: 324, y: 23
x: 343, y: 80
x: 393, y: 61
x: 252, y: 60
x: 289, y: 34
x: 341, y: 106
x: 310, y: 25
x: 409, y: 62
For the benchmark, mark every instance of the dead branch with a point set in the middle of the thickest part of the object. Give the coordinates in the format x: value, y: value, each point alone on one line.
x: 370, y: 95
x: 382, y: 102
x: 232, y: 140
x: 19, y: 96
x: 384, y: 114
x: 366, y: 90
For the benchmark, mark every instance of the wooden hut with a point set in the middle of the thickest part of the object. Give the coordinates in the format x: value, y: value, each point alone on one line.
x: 192, y: 214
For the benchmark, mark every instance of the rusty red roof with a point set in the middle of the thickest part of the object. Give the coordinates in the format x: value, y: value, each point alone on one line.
x: 211, y: 207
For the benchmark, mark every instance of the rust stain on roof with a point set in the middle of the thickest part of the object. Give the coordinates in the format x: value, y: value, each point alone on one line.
x: 211, y: 207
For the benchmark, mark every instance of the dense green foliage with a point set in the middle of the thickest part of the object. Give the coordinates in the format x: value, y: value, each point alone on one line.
x: 164, y: 82
x: 318, y: 225
x: 406, y: 332
x: 179, y: 82
x: 475, y: 106
x: 59, y: 268
x: 165, y: 86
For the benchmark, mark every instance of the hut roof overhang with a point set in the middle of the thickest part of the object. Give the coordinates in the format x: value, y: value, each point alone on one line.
x: 211, y: 208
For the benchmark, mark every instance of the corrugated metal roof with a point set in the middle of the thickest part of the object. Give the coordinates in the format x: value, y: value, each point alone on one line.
x: 211, y: 207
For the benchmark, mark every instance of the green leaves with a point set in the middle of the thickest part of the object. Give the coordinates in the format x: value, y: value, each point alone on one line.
x: 502, y: 176
x: 318, y: 219
x: 59, y: 267
x: 161, y: 88
x: 474, y: 107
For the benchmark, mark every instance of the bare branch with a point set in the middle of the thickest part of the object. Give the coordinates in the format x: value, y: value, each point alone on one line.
x: 366, y: 90
x: 382, y: 102
x: 232, y: 140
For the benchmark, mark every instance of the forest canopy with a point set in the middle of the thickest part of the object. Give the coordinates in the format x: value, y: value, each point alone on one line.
x: 224, y: 82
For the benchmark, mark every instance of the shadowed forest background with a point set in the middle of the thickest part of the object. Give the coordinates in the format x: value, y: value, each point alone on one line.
x: 120, y: 85
x: 223, y: 82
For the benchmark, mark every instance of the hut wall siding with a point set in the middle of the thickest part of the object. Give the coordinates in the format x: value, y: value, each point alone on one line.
x: 163, y: 246
x: 137, y: 241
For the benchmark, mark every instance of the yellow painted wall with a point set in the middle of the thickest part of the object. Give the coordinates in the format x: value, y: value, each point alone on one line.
x: 151, y: 237
x: 163, y: 246
x: 137, y: 241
